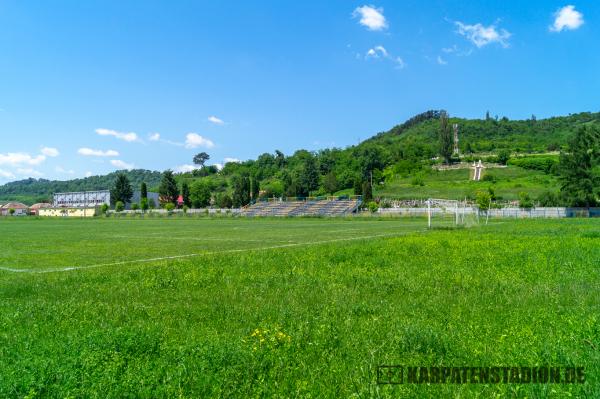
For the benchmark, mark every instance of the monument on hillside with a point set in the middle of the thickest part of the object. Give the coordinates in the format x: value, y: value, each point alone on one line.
x: 477, y: 170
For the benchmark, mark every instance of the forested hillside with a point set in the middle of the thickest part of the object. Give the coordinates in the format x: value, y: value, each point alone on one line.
x: 407, y: 151
x: 38, y: 190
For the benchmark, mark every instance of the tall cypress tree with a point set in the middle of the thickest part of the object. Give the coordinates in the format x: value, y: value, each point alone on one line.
x: 143, y: 191
x: 445, y: 137
x: 185, y: 194
x: 580, y: 168
x: 168, y: 188
x: 121, y: 190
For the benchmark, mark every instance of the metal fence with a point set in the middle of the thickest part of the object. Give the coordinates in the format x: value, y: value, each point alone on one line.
x: 510, y: 212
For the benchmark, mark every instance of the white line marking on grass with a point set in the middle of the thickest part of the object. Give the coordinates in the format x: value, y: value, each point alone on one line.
x: 227, y: 251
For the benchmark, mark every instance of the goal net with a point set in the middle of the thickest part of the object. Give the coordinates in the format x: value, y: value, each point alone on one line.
x: 449, y: 213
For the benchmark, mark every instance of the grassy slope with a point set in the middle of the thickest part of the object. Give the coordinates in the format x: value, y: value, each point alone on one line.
x: 455, y: 184
x: 522, y: 293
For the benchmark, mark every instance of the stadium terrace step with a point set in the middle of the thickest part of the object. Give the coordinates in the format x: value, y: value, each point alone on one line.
x: 303, y: 208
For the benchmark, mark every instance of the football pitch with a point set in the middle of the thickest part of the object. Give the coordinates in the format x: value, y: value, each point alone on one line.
x: 233, y: 307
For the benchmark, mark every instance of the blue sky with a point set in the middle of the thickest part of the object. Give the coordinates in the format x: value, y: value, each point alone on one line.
x: 88, y: 87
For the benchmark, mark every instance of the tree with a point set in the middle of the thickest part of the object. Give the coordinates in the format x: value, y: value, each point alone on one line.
x: 135, y: 207
x: 503, y: 157
x: 254, y: 188
x: 279, y: 159
x: 367, y: 191
x: 580, y: 168
x: 487, y: 116
x: 357, y: 186
x: 143, y: 191
x: 241, y: 190
x: 185, y: 193
x: 548, y: 199
x: 468, y: 148
x: 200, y: 194
x: 330, y: 183
x: 484, y: 202
x: 224, y: 201
x: 445, y: 137
x: 525, y: 200
x: 11, y: 211
x: 144, y: 204
x: 104, y: 209
x: 200, y: 159
x: 119, y: 206
x: 168, y: 188
x: 121, y: 190
x: 307, y: 176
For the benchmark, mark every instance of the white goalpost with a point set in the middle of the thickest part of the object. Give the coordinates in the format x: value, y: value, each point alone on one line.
x: 446, y: 209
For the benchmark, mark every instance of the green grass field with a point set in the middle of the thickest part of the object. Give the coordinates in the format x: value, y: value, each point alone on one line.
x: 293, y: 307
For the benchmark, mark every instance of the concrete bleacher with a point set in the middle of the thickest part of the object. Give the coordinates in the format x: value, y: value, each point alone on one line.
x: 329, y: 207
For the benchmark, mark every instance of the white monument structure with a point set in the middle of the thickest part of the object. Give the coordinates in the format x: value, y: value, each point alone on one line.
x: 477, y: 170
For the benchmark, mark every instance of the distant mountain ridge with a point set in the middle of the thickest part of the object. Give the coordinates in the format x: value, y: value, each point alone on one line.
x: 37, y: 190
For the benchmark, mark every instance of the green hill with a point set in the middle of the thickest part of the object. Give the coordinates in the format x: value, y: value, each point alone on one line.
x: 38, y: 190
x: 400, y: 162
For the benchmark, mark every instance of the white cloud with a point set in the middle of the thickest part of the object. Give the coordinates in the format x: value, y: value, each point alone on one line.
x: 218, y: 165
x: 185, y: 168
x: 50, y: 152
x: 234, y: 160
x: 88, y: 152
x: 29, y: 172
x: 400, y: 64
x: 20, y: 158
x: 441, y: 61
x: 130, y: 136
x: 377, y: 52
x: 6, y: 174
x: 371, y: 17
x: 154, y: 137
x: 215, y: 120
x: 121, y: 164
x: 449, y: 50
x: 380, y: 52
x: 194, y: 140
x: 481, y: 35
x: 88, y: 174
x: 567, y: 18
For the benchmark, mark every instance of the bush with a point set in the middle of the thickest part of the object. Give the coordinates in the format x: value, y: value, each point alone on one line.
x: 135, y: 207
x: 418, y: 180
x: 525, y: 200
x: 119, y: 206
x: 144, y: 204
x: 489, y: 177
x: 549, y: 198
x: 545, y: 164
x: 224, y: 201
x: 484, y: 200
x: 11, y: 211
x: 503, y: 157
x: 169, y: 206
x: 104, y: 209
x: 185, y: 209
x: 372, y: 206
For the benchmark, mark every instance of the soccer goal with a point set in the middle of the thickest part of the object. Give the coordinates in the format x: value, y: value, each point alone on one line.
x: 444, y: 212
